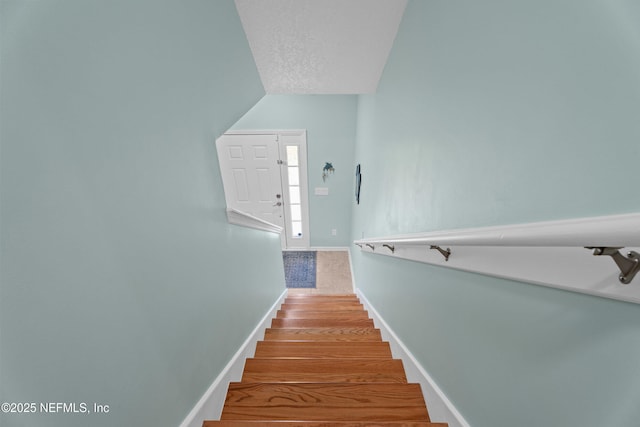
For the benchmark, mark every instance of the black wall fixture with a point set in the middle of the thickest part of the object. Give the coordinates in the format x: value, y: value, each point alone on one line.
x: 358, y: 182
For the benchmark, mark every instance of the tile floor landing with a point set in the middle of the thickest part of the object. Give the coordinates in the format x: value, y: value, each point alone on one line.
x: 333, y: 275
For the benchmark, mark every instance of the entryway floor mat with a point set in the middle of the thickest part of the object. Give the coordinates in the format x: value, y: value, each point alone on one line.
x: 300, y: 269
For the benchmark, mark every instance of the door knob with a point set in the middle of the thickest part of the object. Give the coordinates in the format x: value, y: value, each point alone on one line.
x: 278, y: 204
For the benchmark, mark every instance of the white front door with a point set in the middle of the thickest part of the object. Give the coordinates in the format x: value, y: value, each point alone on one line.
x: 265, y: 175
x: 251, y: 175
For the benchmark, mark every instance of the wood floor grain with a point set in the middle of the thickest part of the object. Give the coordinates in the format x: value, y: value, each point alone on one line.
x: 325, y: 401
x: 319, y: 314
x: 322, y: 306
x: 263, y: 423
x: 322, y: 334
x: 273, y: 370
x: 321, y: 323
x: 323, y: 350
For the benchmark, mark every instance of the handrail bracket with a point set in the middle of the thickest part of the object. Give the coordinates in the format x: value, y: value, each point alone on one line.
x: 445, y: 253
x: 629, y: 265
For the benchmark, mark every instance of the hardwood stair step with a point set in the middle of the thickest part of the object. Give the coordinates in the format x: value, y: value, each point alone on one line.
x: 321, y: 364
x: 322, y: 323
x: 323, y: 334
x: 250, y: 423
x: 322, y: 306
x: 321, y: 301
x: 258, y: 370
x: 304, y: 314
x: 322, y: 350
x: 325, y: 402
x: 336, y: 297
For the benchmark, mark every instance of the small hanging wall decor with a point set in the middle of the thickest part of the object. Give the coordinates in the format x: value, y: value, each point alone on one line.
x: 327, y: 170
x: 358, y: 183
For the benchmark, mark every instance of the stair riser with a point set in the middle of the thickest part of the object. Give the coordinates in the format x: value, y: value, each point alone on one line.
x: 327, y: 413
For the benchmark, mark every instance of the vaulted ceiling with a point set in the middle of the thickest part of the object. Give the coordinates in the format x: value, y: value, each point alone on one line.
x: 320, y: 46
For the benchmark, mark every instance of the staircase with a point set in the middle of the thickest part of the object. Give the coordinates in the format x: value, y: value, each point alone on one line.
x: 323, y: 363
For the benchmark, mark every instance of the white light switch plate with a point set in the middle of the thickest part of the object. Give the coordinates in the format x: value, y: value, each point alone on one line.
x: 321, y: 191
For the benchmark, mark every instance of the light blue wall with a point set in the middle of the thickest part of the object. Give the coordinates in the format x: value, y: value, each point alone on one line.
x: 502, y: 112
x: 330, y: 121
x: 121, y: 282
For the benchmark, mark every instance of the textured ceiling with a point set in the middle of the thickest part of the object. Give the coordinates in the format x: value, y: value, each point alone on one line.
x: 320, y: 46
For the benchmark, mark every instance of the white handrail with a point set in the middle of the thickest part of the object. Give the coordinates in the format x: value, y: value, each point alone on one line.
x: 550, y: 253
x: 615, y: 231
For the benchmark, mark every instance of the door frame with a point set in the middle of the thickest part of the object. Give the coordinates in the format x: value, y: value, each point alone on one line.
x: 284, y: 138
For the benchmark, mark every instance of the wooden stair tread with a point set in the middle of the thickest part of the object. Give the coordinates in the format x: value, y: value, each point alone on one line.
x: 315, y: 314
x: 323, y: 306
x: 322, y: 323
x: 325, y: 402
x: 323, y: 363
x: 273, y: 370
x: 277, y: 423
x: 323, y: 334
x: 324, y: 350
x: 323, y: 297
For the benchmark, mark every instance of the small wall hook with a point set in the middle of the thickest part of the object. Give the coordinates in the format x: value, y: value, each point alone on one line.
x: 373, y: 248
x: 444, y: 253
x: 390, y: 247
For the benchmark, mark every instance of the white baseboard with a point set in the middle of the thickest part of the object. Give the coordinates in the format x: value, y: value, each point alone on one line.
x: 440, y: 407
x: 210, y: 405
